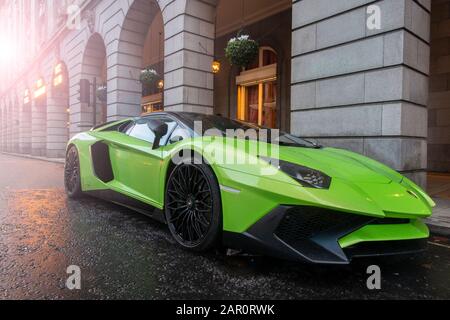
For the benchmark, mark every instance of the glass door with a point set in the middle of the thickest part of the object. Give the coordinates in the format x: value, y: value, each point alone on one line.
x: 257, y: 91
x: 258, y: 104
x: 269, y: 109
x: 252, y: 104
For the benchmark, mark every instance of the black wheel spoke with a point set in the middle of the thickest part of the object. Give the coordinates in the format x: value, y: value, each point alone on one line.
x: 71, y: 172
x: 203, y: 221
x: 179, y: 215
x: 204, y: 204
x: 178, y: 188
x: 196, y: 228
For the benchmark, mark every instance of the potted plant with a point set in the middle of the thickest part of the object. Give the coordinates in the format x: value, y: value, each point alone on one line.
x: 102, y: 93
x: 148, y: 77
x: 241, y: 50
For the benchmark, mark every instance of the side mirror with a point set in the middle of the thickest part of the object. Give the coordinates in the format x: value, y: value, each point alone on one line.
x: 176, y: 139
x: 159, y: 128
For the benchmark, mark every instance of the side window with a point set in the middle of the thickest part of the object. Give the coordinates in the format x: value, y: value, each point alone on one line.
x: 125, y: 127
x: 171, y: 124
x: 142, y: 132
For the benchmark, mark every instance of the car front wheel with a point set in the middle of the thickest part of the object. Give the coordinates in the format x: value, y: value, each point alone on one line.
x: 193, y: 206
x: 72, y: 179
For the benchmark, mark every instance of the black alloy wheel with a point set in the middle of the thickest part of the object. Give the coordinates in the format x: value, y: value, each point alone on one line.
x: 193, y: 207
x: 72, y: 179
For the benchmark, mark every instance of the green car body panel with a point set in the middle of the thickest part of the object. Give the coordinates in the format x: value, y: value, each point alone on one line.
x: 359, y: 185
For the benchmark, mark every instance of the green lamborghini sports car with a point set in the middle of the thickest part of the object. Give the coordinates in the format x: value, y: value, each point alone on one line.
x: 221, y: 182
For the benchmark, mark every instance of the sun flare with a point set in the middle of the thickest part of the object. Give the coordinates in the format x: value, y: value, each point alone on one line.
x: 8, y: 50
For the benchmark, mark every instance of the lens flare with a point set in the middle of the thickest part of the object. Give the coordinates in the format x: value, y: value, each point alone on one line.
x: 7, y: 50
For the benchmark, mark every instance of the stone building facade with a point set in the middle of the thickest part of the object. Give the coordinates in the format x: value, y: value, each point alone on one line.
x: 349, y: 73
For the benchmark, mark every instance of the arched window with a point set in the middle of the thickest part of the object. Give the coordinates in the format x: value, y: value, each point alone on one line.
x: 257, y: 90
x: 153, y: 59
x: 94, y: 67
x: 60, y: 94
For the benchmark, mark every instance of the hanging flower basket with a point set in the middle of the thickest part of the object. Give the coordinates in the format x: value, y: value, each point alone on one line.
x: 241, y: 51
x: 148, y: 77
x: 102, y: 93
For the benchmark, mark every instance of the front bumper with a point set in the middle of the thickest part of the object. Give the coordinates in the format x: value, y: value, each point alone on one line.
x: 316, y: 235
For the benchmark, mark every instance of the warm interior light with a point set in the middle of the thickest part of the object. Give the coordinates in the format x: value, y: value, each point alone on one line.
x: 161, y: 84
x: 40, y: 88
x: 26, y: 96
x: 39, y: 92
x: 58, y: 75
x: 216, y: 66
x: 58, y: 68
x: 58, y: 80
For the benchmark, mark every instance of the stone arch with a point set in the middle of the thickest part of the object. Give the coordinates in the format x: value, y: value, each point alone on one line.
x: 125, y: 58
x: 189, y: 52
x: 93, y: 69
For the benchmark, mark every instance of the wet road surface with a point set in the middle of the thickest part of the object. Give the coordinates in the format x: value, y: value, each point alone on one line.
x: 124, y: 255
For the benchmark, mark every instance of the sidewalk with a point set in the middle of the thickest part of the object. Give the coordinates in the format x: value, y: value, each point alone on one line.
x: 439, y: 189
x: 54, y: 160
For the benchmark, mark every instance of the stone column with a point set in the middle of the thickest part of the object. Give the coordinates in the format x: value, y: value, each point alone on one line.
x: 57, y: 124
x: 189, y: 53
x: 81, y: 115
x: 9, y: 120
x: 124, y: 90
x: 39, y: 126
x: 360, y: 87
x: 25, y: 128
x: 2, y: 127
x: 15, y: 126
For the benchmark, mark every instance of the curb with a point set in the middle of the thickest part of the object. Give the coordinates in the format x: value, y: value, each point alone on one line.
x: 26, y: 156
x: 437, y: 230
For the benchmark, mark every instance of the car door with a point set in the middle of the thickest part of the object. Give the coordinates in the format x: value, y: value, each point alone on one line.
x: 136, y: 165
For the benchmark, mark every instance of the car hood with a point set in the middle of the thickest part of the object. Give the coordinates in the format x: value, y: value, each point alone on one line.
x: 388, y: 190
x: 359, y: 184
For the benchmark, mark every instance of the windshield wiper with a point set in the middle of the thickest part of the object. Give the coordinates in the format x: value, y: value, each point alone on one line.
x: 315, y: 144
x: 299, y: 145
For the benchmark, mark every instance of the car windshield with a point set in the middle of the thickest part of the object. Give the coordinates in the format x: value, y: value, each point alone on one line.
x: 217, y: 125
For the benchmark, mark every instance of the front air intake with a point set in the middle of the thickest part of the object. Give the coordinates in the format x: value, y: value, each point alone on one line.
x: 302, y: 223
x: 102, y: 162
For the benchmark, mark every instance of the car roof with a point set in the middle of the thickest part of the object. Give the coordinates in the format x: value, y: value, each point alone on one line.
x: 186, y: 117
x: 180, y: 114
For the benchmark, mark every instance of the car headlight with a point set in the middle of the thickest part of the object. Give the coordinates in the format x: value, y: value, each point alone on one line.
x: 307, y: 177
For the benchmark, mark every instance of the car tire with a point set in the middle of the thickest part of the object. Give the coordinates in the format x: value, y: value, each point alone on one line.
x: 72, y: 177
x: 193, y: 207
